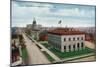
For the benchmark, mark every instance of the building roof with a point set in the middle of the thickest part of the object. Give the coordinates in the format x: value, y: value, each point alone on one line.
x: 65, y: 31
x: 43, y: 32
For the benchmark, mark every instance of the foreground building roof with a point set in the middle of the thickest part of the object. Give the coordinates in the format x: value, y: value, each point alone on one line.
x: 65, y: 31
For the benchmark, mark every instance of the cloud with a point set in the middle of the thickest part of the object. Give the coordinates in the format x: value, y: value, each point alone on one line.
x: 24, y: 12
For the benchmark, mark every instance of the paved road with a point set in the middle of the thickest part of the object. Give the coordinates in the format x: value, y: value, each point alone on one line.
x: 48, y: 51
x: 35, y: 55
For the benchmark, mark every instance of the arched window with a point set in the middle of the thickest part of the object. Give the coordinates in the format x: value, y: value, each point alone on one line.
x: 69, y: 47
x: 64, y: 48
x: 78, y: 45
x: 74, y: 47
x: 82, y: 44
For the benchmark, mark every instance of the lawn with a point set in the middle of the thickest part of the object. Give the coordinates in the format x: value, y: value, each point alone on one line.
x: 70, y: 54
x: 45, y: 43
x: 24, y: 53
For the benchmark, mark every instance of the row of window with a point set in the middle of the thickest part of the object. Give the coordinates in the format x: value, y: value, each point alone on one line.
x: 73, y: 39
x: 54, y: 38
x: 57, y: 46
x: 78, y: 45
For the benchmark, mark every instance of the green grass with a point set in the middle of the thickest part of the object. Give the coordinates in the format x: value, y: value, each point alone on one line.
x: 70, y: 54
x: 45, y: 44
x: 48, y: 56
x: 24, y: 53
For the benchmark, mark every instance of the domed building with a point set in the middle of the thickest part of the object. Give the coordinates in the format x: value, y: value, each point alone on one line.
x: 34, y: 24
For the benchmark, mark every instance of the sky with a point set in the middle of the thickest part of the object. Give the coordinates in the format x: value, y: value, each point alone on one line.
x: 49, y: 14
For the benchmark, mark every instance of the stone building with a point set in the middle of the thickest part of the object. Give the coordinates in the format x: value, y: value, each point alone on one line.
x: 43, y: 36
x: 66, y: 39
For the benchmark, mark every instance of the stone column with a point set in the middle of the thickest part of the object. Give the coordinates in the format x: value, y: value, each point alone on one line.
x: 72, y: 48
x: 80, y: 48
x: 76, y: 47
x: 62, y: 48
x: 67, y: 48
x: 83, y: 45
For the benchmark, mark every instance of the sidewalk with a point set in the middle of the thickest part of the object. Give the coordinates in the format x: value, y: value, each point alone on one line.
x: 48, y: 51
x: 75, y: 58
x: 34, y: 54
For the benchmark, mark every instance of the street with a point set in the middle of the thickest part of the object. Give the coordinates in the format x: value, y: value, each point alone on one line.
x: 48, y: 51
x: 35, y: 55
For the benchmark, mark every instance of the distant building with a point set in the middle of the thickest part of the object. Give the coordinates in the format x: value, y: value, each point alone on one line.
x: 29, y: 26
x: 43, y: 36
x: 66, y: 39
x: 38, y: 26
x: 36, y: 29
x: 34, y: 24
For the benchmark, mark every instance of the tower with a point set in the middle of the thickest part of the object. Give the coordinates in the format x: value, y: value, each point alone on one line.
x: 34, y: 24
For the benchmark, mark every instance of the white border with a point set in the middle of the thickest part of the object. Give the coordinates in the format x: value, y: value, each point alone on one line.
x: 87, y: 2
x: 5, y: 33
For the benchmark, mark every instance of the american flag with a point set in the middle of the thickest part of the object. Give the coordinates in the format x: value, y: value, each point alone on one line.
x: 59, y: 22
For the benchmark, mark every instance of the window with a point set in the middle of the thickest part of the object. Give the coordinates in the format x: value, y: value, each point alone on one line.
x: 82, y: 44
x: 64, y: 47
x: 69, y: 47
x: 78, y: 38
x: 74, y: 47
x: 74, y: 39
x: 78, y: 45
x: 81, y: 38
x: 69, y: 39
x: 64, y: 39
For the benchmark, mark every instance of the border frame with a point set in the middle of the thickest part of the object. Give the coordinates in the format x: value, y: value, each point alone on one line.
x: 48, y: 3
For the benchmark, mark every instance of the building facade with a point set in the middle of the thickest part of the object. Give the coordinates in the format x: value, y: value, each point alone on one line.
x: 43, y: 36
x: 66, y: 39
x: 29, y: 26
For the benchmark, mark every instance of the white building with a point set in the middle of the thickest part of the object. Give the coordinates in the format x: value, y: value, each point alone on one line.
x: 29, y: 26
x: 66, y: 39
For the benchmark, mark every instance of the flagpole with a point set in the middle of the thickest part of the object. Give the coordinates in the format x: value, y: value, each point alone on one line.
x: 60, y: 23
